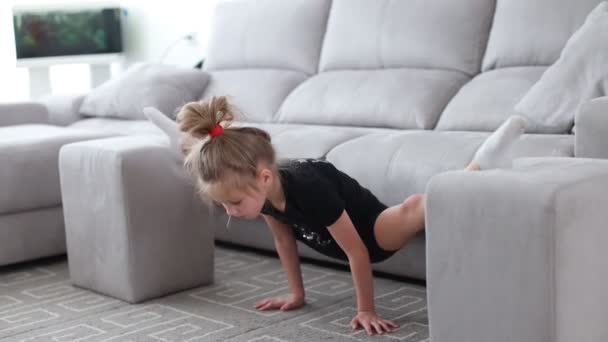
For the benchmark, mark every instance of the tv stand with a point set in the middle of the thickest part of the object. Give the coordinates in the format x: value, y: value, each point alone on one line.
x: 40, y: 81
x: 39, y: 70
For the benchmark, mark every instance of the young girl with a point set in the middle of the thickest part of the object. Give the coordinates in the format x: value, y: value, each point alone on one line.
x: 305, y: 199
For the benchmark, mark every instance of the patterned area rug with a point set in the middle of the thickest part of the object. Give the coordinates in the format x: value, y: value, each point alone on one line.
x: 38, y: 303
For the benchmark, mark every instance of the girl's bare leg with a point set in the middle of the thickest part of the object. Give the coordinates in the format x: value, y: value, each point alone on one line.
x: 396, y: 225
x: 493, y: 153
x: 473, y: 166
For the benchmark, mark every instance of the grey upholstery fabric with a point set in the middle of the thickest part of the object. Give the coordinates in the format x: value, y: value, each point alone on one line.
x: 404, y: 162
x: 487, y: 100
x: 31, y: 217
x: 165, y: 87
x: 271, y: 34
x: 290, y: 140
x: 543, y: 145
x: 134, y: 228
x: 591, y: 126
x: 578, y: 76
x: 365, y: 34
x: 20, y: 113
x: 309, y: 141
x: 257, y: 93
x: 393, y: 98
x: 29, y: 177
x: 117, y: 126
x: 31, y: 234
x: 530, y: 265
x: 531, y: 33
x: 63, y: 109
x: 259, y: 52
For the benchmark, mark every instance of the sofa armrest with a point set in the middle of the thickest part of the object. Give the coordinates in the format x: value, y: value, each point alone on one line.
x: 63, y: 109
x: 591, y: 129
x: 519, y: 255
x: 19, y: 113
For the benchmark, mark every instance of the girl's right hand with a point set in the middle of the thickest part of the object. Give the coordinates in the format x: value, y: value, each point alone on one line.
x: 284, y: 303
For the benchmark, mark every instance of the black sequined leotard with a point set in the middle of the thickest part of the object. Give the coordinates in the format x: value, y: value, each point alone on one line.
x: 316, y: 194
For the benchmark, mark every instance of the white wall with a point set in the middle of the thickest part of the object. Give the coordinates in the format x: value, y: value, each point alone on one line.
x: 153, y: 26
x: 150, y: 27
x: 13, y: 82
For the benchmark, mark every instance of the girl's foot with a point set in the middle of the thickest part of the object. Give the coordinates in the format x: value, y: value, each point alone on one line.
x: 170, y: 128
x: 493, y: 152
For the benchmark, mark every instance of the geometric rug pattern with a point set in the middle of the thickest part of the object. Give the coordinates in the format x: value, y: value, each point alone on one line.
x: 39, y: 304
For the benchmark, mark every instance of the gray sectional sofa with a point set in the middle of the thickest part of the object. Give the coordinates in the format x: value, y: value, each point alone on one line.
x: 394, y: 93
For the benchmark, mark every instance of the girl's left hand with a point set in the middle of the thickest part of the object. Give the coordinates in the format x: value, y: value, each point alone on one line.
x: 371, y: 322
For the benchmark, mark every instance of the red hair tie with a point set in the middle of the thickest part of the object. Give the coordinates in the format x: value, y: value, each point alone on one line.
x: 217, y: 130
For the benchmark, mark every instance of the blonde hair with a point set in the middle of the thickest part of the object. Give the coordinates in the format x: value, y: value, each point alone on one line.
x: 228, y: 159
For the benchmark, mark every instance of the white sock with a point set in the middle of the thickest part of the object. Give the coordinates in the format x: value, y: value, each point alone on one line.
x: 493, y: 153
x: 170, y: 128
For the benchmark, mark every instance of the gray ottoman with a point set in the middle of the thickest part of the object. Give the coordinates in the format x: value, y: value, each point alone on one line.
x: 135, y: 228
x: 521, y: 254
x: 31, y: 217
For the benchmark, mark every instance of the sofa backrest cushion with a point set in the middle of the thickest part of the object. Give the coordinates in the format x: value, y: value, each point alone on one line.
x: 260, y: 50
x: 488, y: 100
x: 440, y: 34
x: 273, y: 34
x: 257, y: 93
x: 528, y: 33
x: 390, y: 98
x: 393, y: 64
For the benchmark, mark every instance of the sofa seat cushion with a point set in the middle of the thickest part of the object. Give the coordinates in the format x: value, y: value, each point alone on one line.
x: 118, y: 126
x: 488, y: 100
x: 309, y: 141
x: 29, y: 176
x: 390, y: 98
x: 290, y: 140
x: 395, y: 165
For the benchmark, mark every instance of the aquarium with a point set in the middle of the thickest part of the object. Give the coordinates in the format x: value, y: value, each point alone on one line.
x: 57, y: 32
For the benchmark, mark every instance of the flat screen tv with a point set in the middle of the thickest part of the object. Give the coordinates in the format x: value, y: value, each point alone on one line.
x: 53, y: 32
